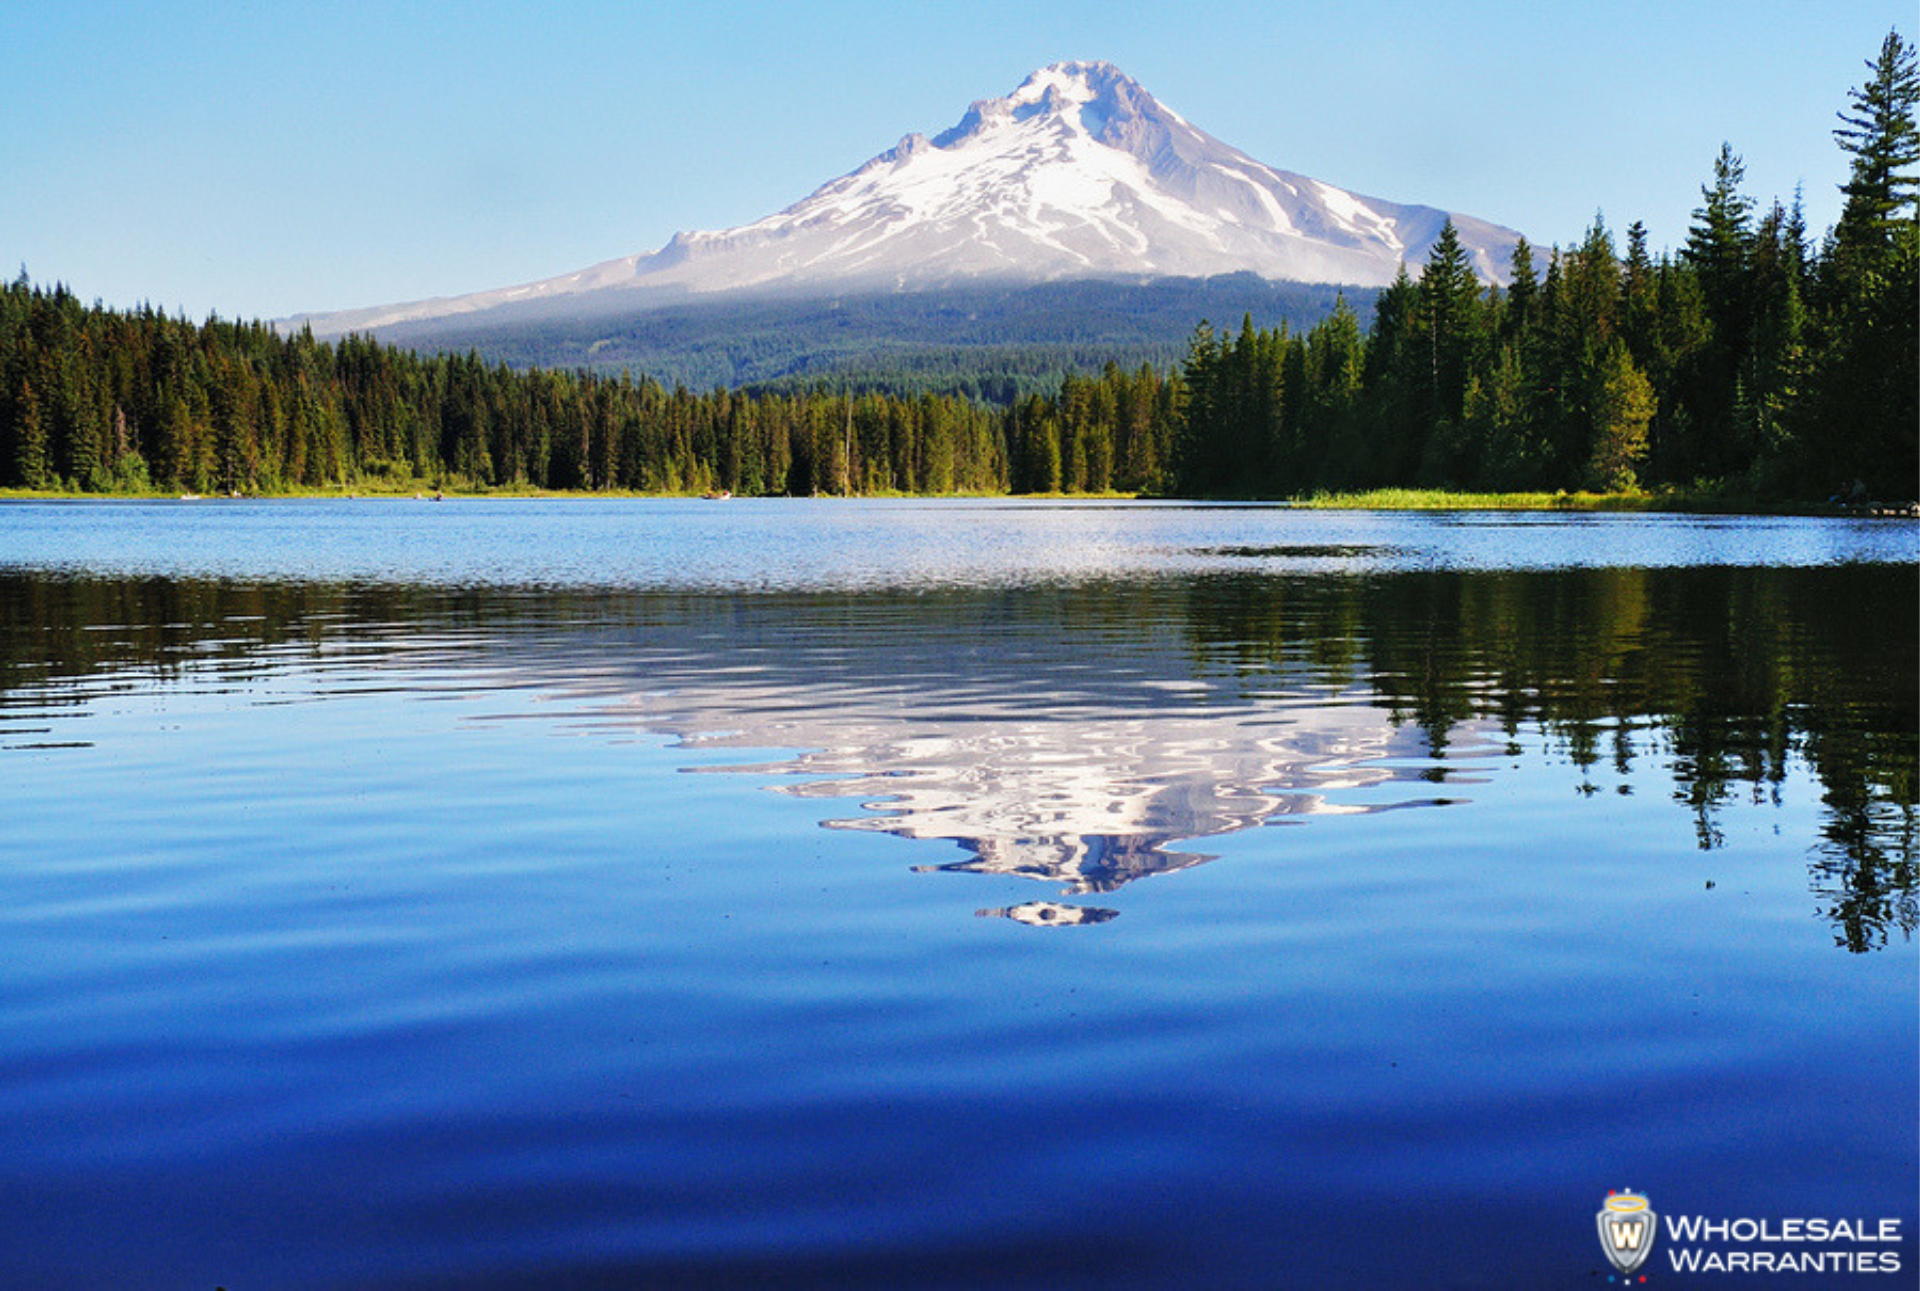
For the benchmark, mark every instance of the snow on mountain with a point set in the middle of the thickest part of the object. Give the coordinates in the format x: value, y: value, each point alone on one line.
x: 1079, y: 173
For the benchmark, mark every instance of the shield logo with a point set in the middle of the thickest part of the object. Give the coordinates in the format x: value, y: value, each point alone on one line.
x: 1627, y: 1226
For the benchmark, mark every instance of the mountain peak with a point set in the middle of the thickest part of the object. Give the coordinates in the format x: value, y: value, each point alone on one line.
x: 1094, y: 98
x: 1079, y: 172
x: 1075, y: 82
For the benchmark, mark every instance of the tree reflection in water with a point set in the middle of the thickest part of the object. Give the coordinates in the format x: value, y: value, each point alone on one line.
x: 1082, y: 733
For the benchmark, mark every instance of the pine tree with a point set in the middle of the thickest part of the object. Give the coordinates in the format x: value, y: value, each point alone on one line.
x: 1773, y: 368
x: 1863, y: 424
x: 1622, y: 405
x: 1449, y: 297
x: 1388, y: 439
x: 1582, y: 321
x: 1198, y: 469
x: 33, y: 465
x: 1879, y: 133
x: 1495, y: 413
x: 1682, y: 333
x: 1639, y: 298
x: 1719, y: 240
x: 1718, y: 250
x: 1523, y: 290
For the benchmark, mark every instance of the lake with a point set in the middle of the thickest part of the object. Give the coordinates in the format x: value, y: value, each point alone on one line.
x: 912, y: 894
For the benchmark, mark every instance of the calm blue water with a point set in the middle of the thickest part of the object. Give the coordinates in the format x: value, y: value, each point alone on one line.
x: 635, y: 894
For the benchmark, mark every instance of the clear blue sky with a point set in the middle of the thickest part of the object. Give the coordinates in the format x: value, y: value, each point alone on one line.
x: 261, y: 159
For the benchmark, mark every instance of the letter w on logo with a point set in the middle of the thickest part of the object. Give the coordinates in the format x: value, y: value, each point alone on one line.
x: 1626, y: 1233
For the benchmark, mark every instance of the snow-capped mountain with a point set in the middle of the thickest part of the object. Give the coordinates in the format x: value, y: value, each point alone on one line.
x: 1079, y: 173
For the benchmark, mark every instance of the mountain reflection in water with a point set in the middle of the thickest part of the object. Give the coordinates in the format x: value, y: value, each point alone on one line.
x: 1087, y: 733
x: 1092, y: 793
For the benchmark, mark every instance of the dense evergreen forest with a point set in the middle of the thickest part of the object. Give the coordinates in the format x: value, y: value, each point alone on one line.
x: 1754, y: 360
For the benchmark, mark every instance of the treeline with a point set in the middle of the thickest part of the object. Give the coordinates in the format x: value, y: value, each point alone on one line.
x: 1753, y: 360
x: 1000, y: 375
x: 108, y: 401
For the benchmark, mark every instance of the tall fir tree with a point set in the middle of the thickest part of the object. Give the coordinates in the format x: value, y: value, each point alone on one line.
x: 1863, y: 422
x: 1878, y: 132
x: 1719, y: 244
x: 1449, y: 312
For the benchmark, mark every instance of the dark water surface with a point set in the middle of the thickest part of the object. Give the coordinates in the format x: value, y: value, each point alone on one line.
x: 576, y: 894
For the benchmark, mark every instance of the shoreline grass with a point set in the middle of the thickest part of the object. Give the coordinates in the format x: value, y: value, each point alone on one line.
x: 1670, y: 501
x: 1399, y: 499
x: 1386, y: 499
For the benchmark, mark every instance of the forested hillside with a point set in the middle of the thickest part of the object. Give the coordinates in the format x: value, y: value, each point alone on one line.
x: 994, y: 342
x: 1754, y: 359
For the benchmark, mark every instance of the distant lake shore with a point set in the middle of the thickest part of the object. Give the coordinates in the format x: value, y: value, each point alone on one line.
x: 1674, y: 502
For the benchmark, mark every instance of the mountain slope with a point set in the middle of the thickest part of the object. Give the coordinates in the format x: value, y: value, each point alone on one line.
x: 1079, y: 173
x: 992, y: 341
